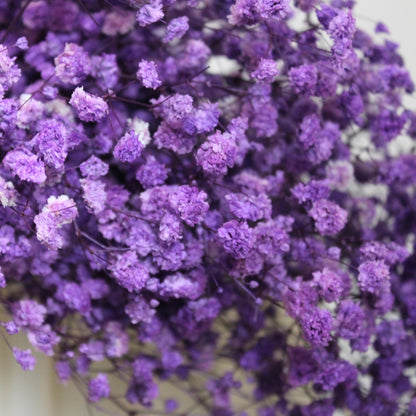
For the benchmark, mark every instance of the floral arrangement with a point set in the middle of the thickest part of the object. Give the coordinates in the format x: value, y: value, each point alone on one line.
x: 209, y: 194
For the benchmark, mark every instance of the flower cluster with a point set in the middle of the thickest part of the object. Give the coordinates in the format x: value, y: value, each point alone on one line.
x: 203, y: 194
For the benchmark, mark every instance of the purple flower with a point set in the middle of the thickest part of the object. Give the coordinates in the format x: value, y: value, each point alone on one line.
x: 179, y: 286
x: 56, y: 213
x: 312, y: 191
x: 217, y: 154
x: 105, y: 70
x: 266, y: 71
x: 28, y: 313
x: 98, y: 388
x: 75, y: 298
x: 52, y: 143
x: 152, y: 173
x: 2, y: 279
x: 317, y: 325
x: 176, y: 28
x: 303, y: 366
x: 325, y: 14
x: 63, y: 369
x: 25, y: 165
x: 331, y: 285
x: 329, y: 218
x: 10, y: 327
x: 179, y: 175
x: 190, y: 203
x: 251, y: 208
x: 170, y: 228
x: 147, y: 74
x: 150, y: 13
x: 171, y: 405
x: 335, y: 373
x: 9, y: 71
x: 88, y: 106
x: 129, y: 273
x: 94, y: 194
x: 303, y: 79
x: 318, y: 142
x: 22, y: 43
x: 236, y: 238
x: 138, y: 310
x: 203, y: 119
x: 349, y: 320
x: 373, y: 277
x: 342, y: 25
x: 73, y: 64
x: 129, y: 147
x: 272, y: 236
x: 273, y: 8
x: 243, y: 12
x: 94, y: 168
x: 24, y: 358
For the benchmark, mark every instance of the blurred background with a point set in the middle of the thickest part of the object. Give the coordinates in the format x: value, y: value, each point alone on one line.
x: 38, y: 393
x: 399, y: 16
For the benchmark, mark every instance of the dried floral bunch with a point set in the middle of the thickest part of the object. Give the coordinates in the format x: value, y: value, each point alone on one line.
x: 204, y: 193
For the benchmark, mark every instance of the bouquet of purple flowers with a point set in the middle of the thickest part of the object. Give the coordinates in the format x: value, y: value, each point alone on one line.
x: 207, y: 194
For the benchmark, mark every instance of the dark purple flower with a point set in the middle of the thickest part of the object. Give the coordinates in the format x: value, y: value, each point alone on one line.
x: 236, y: 238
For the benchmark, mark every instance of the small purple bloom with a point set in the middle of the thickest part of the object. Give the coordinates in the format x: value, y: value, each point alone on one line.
x: 303, y: 79
x: 24, y: 358
x: 329, y: 218
x: 98, y: 388
x: 373, y: 277
x: 236, y: 238
x: 25, y: 165
x: 217, y: 154
x: 73, y: 64
x: 89, y: 107
x: 94, y: 168
x: 147, y: 74
x: 129, y: 272
x: 150, y: 13
x: 317, y: 325
x: 152, y: 173
x: 266, y: 71
x: 176, y: 28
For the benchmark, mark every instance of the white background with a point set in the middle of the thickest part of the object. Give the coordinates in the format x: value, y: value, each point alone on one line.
x: 37, y: 393
x: 400, y: 17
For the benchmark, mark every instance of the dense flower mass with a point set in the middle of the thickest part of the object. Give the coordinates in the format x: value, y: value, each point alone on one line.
x: 204, y: 194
